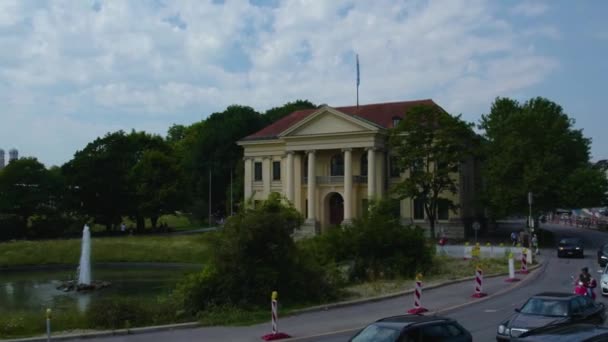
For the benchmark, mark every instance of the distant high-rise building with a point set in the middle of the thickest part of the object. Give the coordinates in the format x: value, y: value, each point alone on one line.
x: 13, y: 155
x: 1, y: 159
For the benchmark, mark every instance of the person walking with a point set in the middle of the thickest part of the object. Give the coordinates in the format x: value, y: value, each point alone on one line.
x: 535, y: 244
x: 514, y: 238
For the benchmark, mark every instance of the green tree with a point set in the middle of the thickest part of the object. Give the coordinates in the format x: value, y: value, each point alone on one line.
x: 101, y: 176
x: 431, y: 144
x: 277, y: 113
x: 158, y: 185
x: 28, y: 189
x: 534, y: 147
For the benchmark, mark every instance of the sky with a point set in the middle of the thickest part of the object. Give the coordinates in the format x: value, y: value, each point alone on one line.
x: 72, y: 71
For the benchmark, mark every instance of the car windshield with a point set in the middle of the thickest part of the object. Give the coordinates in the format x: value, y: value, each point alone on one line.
x: 377, y: 333
x: 568, y: 242
x: 545, y: 307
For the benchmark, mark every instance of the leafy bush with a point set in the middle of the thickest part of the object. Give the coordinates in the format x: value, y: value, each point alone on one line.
x: 48, y: 226
x: 375, y: 246
x: 113, y: 313
x: 252, y: 256
x: 11, y: 227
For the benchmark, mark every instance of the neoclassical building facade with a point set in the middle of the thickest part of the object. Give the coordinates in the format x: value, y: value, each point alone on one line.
x: 330, y: 162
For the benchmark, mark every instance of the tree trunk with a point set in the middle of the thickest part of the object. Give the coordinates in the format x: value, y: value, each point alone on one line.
x: 141, y: 223
x: 432, y: 227
x: 154, y: 221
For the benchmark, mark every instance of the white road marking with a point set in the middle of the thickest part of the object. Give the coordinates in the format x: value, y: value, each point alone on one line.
x: 490, y: 310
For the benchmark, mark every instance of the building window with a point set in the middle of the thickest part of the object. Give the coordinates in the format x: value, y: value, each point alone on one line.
x: 276, y: 170
x: 443, y: 209
x: 306, y: 208
x: 364, y: 164
x: 417, y: 166
x: 396, y: 121
x: 418, y: 209
x: 257, y: 171
x: 395, y: 169
x: 337, y: 165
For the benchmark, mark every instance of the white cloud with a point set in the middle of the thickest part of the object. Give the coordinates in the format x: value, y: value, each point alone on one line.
x: 71, y: 71
x: 530, y: 8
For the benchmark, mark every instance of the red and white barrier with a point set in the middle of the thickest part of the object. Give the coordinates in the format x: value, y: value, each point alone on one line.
x: 418, y: 308
x: 512, y: 277
x: 524, y: 261
x: 478, y: 284
x: 275, y: 334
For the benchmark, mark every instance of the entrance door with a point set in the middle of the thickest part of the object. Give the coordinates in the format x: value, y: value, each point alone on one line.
x: 336, y: 209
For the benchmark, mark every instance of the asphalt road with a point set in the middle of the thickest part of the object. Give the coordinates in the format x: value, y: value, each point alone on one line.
x: 482, y: 318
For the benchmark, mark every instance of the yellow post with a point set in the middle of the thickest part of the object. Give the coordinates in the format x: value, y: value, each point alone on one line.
x: 275, y: 295
x: 419, y: 277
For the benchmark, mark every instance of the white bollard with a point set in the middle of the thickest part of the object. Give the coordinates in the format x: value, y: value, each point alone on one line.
x: 48, y: 325
x: 511, y: 270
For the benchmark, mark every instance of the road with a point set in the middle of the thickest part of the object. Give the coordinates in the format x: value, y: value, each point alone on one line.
x: 482, y: 319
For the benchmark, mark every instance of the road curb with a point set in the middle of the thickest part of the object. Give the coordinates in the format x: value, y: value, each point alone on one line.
x: 189, y: 325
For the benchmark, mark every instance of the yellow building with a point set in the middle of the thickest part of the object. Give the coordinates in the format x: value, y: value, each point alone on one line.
x: 329, y: 162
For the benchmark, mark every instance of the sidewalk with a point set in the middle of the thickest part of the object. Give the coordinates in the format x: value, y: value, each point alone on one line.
x: 332, y: 318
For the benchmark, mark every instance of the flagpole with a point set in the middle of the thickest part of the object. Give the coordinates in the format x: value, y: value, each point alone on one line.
x: 358, y: 81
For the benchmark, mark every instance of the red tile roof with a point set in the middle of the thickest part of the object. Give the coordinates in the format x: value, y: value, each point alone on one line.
x: 380, y: 114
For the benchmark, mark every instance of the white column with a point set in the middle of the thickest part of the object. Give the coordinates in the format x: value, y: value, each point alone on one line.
x: 311, y: 185
x: 371, y: 174
x: 248, y: 178
x: 289, y: 175
x: 266, y: 175
x: 348, y: 184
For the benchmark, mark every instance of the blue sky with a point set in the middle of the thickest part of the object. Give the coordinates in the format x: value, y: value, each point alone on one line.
x: 71, y: 71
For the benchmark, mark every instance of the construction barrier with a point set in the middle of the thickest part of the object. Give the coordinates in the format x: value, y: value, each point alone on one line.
x: 275, y: 334
x: 478, y: 284
x: 524, y: 261
x: 418, y: 308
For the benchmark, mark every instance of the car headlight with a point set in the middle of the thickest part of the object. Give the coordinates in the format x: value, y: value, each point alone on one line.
x: 604, y: 257
x: 502, y: 330
x: 561, y: 248
x: 604, y: 282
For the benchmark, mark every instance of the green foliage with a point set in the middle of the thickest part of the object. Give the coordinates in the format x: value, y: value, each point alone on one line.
x: 277, y: 113
x: 534, y: 147
x: 254, y: 255
x: 114, y: 313
x: 431, y: 145
x: 375, y: 246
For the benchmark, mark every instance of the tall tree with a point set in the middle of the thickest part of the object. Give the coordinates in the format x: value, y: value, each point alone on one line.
x: 27, y: 188
x: 534, y: 147
x: 277, y: 113
x: 431, y: 145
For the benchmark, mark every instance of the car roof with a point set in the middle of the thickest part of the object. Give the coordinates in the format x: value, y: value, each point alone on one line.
x: 554, y: 295
x: 412, y: 319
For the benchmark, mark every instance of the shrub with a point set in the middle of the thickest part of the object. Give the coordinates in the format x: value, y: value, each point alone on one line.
x: 113, y: 313
x: 252, y: 256
x: 11, y: 227
x: 375, y: 246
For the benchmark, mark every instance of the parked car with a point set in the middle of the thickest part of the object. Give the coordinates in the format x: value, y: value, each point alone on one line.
x: 570, y: 246
x: 604, y: 281
x: 580, y: 332
x: 549, y: 308
x: 602, y: 255
x: 413, y: 328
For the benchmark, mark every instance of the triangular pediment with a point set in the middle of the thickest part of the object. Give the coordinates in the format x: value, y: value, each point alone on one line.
x: 328, y: 121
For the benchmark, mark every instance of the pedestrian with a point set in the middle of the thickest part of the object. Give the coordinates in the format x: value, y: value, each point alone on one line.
x: 535, y: 244
x: 123, y: 227
x: 514, y: 238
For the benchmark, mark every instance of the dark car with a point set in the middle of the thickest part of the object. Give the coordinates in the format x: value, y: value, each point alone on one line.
x: 602, y: 255
x: 413, y: 328
x: 580, y: 332
x: 550, y: 308
x: 570, y: 247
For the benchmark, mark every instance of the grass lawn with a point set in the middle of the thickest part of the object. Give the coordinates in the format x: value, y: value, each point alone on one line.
x: 167, y: 248
x: 443, y: 269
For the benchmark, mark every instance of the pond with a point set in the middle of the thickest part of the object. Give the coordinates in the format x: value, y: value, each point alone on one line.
x: 35, y: 289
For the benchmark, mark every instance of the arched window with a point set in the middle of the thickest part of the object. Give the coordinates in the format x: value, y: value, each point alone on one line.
x: 337, y: 165
x: 396, y: 121
x: 364, y: 164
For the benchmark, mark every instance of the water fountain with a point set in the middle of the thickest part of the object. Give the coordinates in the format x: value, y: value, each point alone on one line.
x: 84, y: 282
